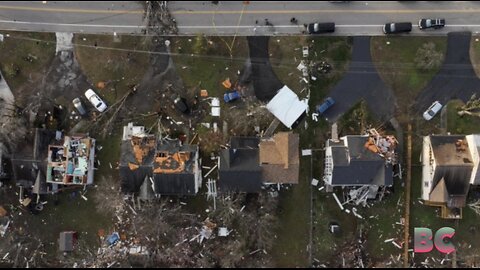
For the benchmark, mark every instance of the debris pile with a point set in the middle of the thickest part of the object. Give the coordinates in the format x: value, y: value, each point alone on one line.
x: 383, y: 145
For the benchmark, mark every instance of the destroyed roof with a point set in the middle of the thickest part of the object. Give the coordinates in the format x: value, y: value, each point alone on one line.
x: 451, y: 150
x: 279, y: 158
x: 170, y: 165
x: 239, y: 169
x: 286, y: 106
x: 177, y: 158
x: 353, y: 164
x: 131, y: 153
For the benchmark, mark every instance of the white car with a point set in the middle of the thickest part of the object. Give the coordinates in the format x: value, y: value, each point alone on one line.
x: 96, y: 101
x: 432, y: 110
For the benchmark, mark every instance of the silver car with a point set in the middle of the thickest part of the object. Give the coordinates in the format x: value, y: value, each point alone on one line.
x: 79, y: 106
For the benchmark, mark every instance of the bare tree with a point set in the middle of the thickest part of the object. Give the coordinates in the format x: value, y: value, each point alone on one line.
x: 472, y: 107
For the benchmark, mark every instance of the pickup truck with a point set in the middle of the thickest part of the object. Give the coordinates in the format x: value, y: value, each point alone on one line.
x: 431, y: 23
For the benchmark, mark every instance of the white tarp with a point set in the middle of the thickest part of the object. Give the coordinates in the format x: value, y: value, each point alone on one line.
x: 286, y: 106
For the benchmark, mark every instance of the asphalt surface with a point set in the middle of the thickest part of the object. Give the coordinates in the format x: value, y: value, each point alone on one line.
x: 456, y: 78
x: 361, y: 81
x: 72, y: 16
x: 352, y: 18
x: 265, y: 82
x: 237, y: 18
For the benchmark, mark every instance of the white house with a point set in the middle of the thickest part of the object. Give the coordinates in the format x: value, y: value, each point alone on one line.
x: 449, y: 167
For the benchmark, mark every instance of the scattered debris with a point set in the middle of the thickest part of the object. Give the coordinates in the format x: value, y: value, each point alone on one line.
x: 306, y: 152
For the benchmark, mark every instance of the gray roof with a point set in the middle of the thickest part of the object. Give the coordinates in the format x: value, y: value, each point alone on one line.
x: 244, y: 142
x: 454, y: 165
x: 239, y: 169
x: 356, y: 165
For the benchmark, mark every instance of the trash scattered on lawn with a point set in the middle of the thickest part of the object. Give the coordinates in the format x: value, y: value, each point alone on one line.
x: 113, y: 239
x: 223, y: 232
x: 314, y: 182
x: 306, y: 152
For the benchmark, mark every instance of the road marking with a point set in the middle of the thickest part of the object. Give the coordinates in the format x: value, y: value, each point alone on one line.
x: 300, y: 26
x: 209, y: 26
x: 317, y: 11
x: 74, y: 24
x: 72, y: 10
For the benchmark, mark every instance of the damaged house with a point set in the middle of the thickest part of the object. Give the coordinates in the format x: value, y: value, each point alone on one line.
x: 159, y: 166
x: 360, y: 162
x: 449, y: 167
x: 251, y: 162
x: 71, y: 161
x: 29, y: 163
x: 51, y: 158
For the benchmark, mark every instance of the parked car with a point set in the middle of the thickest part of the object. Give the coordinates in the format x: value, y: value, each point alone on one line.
x: 181, y: 105
x: 79, y: 106
x: 325, y: 105
x: 431, y: 23
x: 401, y: 27
x: 231, y: 96
x: 96, y: 101
x: 432, y: 110
x: 318, y: 28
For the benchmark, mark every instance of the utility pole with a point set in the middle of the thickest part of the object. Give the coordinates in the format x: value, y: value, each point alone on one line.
x: 407, y: 195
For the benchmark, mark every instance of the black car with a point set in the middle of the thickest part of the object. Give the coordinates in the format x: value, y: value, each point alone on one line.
x: 318, y: 28
x: 181, y: 105
x: 401, y: 27
x: 431, y: 23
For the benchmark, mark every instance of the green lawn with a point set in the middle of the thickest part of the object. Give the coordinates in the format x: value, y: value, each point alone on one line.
x: 475, y: 53
x: 395, y: 62
x: 119, y: 63
x: 465, y: 124
x: 26, y: 58
x: 337, y: 52
x: 205, y: 62
x: 285, y: 56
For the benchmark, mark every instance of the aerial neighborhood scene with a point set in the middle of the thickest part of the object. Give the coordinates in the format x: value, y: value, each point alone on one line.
x: 227, y: 134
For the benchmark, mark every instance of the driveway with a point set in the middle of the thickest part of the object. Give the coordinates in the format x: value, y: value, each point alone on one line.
x: 265, y: 82
x: 361, y: 82
x: 456, y: 78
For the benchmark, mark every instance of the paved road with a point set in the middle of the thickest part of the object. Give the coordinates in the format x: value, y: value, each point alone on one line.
x: 74, y: 17
x: 361, y: 81
x: 265, y: 82
x: 229, y: 18
x: 353, y: 18
x: 456, y: 78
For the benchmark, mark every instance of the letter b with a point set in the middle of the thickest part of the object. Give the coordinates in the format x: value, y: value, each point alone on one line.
x: 423, y: 240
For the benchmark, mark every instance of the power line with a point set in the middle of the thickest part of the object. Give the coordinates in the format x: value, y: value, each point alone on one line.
x: 397, y: 68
